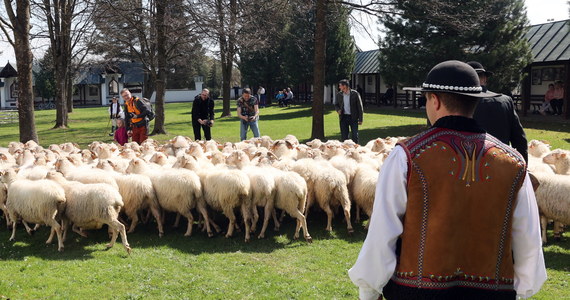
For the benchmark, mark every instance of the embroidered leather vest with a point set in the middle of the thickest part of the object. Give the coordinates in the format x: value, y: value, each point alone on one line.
x: 462, y: 189
x: 132, y: 108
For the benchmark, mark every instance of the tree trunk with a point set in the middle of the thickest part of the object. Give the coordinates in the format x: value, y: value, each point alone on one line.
x: 21, y: 23
x: 318, y: 131
x: 227, y: 51
x: 226, y: 75
x: 161, y: 81
x: 149, y: 85
x: 69, y: 87
x: 61, y: 95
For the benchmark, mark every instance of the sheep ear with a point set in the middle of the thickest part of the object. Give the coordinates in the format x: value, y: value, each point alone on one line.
x: 17, y: 170
x: 93, y: 155
x: 69, y: 159
x: 289, y: 145
x: 563, y: 155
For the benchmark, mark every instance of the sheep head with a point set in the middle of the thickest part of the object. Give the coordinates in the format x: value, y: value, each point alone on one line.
x: 556, y: 156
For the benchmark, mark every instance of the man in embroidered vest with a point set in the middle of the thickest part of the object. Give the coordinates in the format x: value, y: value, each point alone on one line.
x: 455, y: 215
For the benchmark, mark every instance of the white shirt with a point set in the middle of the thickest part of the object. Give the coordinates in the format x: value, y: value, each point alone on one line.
x: 346, y: 103
x: 261, y: 91
x: 376, y: 262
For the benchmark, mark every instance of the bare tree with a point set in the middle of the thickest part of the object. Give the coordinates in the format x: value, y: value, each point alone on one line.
x: 233, y: 25
x: 147, y: 31
x: 18, y: 24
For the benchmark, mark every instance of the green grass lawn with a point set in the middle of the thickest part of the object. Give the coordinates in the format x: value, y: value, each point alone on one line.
x: 199, y: 267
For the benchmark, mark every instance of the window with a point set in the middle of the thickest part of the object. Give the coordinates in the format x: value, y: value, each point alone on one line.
x: 113, y: 87
x: 14, y: 90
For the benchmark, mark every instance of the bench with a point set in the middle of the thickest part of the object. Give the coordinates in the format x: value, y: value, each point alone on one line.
x: 8, y: 116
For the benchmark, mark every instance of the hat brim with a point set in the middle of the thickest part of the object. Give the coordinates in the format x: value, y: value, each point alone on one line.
x: 486, y: 94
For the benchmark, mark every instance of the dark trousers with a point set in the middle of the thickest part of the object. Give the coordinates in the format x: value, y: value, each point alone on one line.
x: 197, y: 136
x: 347, y: 122
x: 139, y: 134
x: 557, y: 106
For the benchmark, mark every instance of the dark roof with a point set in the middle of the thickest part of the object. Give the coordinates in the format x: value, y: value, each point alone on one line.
x: 550, y: 41
x: 132, y: 72
x: 8, y: 71
x: 367, y: 62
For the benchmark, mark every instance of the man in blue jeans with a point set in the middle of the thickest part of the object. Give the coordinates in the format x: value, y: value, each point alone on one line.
x: 349, y: 108
x: 248, y: 112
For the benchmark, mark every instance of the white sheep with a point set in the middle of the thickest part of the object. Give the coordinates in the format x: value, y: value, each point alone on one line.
x: 89, y: 206
x: 553, y: 199
x: 326, y: 186
x: 177, y: 190
x: 84, y: 174
x: 138, y: 194
x: 364, y: 189
x: 560, y: 159
x: 36, y: 202
x: 3, y: 197
x: 262, y: 185
x: 537, y: 148
x: 284, y: 149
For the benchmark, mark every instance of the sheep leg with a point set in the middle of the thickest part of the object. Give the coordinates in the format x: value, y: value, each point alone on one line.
x: 282, y: 216
x: 29, y: 230
x: 156, y: 213
x: 207, y: 221
x: 277, y: 224
x: 146, y: 218
x: 543, y: 224
x: 329, y: 212
x: 231, y: 216
x: 190, y: 219
x: 266, y: 215
x: 51, y: 235
x: 134, y: 221
x: 357, y: 214
x: 301, y: 222
x: 118, y: 227
x: 13, y: 237
x: 246, y: 220
x: 177, y: 221
x: 57, y: 228
x: 347, y: 217
x: 78, y: 230
x: 255, y: 219
x: 558, y: 230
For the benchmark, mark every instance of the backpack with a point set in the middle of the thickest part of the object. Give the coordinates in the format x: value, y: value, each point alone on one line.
x: 149, y: 108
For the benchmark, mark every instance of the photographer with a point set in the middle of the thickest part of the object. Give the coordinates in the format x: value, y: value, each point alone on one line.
x: 248, y: 112
x: 203, y: 115
x: 136, y: 116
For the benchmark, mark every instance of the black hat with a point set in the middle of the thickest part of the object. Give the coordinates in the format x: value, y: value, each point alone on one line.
x: 479, y: 68
x: 454, y: 77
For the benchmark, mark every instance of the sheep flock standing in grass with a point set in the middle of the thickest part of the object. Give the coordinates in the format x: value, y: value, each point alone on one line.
x: 247, y: 181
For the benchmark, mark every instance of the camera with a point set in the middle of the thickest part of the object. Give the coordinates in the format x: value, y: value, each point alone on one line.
x: 209, y: 123
x: 251, y: 118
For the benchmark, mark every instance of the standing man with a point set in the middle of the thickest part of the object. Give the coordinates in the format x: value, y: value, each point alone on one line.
x: 349, y: 108
x: 262, y: 98
x: 248, y: 112
x: 203, y: 115
x: 497, y: 115
x: 136, y: 116
x: 455, y: 216
x: 115, y: 112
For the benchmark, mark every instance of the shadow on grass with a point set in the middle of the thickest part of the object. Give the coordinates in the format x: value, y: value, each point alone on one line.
x: 146, y: 237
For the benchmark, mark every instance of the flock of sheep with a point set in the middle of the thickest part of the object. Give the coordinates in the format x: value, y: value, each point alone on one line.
x: 64, y: 187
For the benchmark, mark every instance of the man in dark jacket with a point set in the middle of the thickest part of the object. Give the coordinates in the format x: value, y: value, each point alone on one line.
x: 136, y: 116
x: 497, y: 115
x: 203, y: 115
x: 349, y: 108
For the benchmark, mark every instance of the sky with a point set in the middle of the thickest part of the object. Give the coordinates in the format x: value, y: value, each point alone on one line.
x: 366, y: 34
